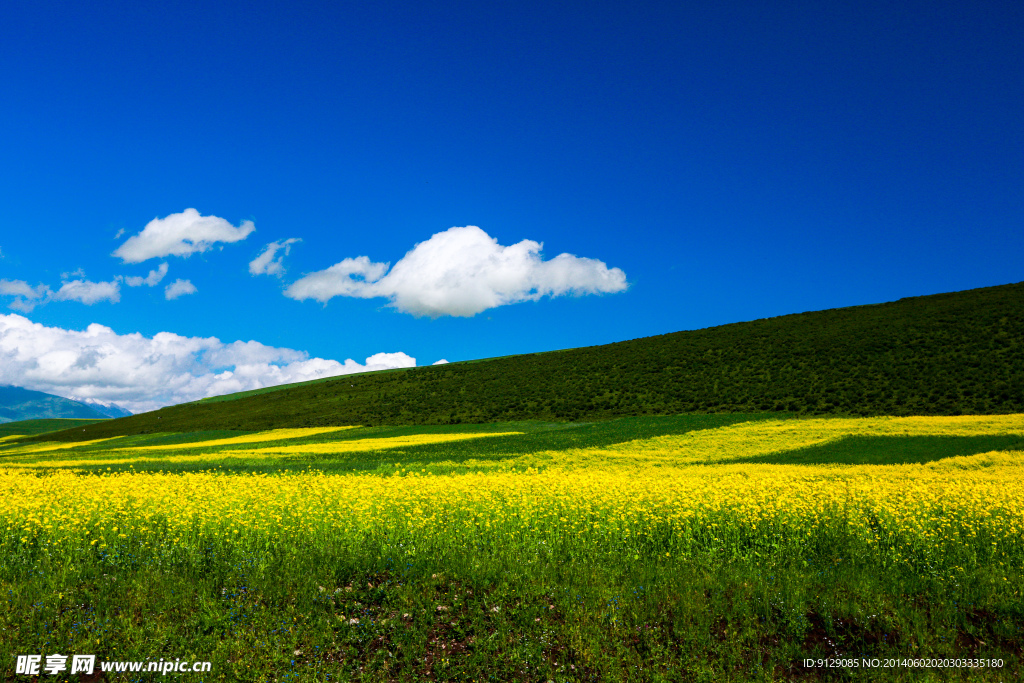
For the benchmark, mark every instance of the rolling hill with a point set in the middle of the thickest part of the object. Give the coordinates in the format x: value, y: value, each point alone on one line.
x: 944, y: 354
x: 42, y: 426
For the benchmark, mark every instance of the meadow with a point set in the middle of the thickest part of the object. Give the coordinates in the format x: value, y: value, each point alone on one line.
x: 728, y: 547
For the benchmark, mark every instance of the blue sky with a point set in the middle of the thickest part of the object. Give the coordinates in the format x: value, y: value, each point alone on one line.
x: 706, y: 163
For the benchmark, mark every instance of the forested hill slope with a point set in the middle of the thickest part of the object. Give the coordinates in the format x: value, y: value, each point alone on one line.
x: 945, y: 354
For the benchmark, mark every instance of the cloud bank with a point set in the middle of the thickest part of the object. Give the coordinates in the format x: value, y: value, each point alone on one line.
x: 180, y: 234
x: 461, y: 272
x: 266, y: 263
x: 145, y: 373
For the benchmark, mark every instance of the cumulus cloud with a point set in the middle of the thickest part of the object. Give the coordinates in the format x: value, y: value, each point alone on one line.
x: 267, y: 262
x: 26, y: 296
x: 23, y: 289
x: 352, y: 277
x: 89, y: 292
x: 386, y: 361
x: 439, y: 362
x: 179, y: 288
x: 461, y: 272
x: 144, y: 373
x: 180, y: 234
x: 84, y: 291
x: 151, y: 280
x: 23, y: 305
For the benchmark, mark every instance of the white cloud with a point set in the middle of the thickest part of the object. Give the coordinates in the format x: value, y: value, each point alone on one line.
x: 151, y: 280
x: 461, y: 272
x: 266, y: 263
x: 84, y: 291
x: 89, y: 292
x: 22, y: 288
x: 351, y: 277
x: 384, y: 361
x: 145, y: 373
x: 23, y: 305
x: 180, y: 234
x: 119, y: 233
x: 179, y: 288
x: 440, y: 362
x: 26, y: 296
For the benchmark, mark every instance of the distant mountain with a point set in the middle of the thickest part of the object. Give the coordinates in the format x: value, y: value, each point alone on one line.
x: 24, y: 404
x: 107, y: 408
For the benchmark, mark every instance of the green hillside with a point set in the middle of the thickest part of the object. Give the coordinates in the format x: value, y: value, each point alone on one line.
x: 945, y: 354
x: 30, y: 427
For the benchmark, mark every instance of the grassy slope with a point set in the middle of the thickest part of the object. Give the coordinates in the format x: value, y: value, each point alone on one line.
x: 31, y: 427
x: 945, y: 354
x: 523, y: 438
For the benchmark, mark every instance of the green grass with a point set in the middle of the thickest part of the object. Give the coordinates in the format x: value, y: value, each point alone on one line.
x: 264, y: 617
x: 524, y: 438
x: 44, y: 426
x: 892, y: 450
x: 530, y: 437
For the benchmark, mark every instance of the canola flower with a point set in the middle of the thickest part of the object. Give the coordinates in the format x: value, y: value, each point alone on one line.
x: 943, y: 517
x: 258, y: 437
x: 766, y: 437
x: 48, y: 446
x: 11, y: 452
x: 373, y: 444
x: 893, y: 514
x: 69, y: 457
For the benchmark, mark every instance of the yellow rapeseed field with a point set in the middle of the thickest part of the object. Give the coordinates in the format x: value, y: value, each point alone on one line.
x: 259, y: 437
x: 954, y: 512
x: 750, y: 439
x: 957, y: 509
x: 45, y: 447
x: 363, y: 445
x: 239, y: 552
x: 67, y: 455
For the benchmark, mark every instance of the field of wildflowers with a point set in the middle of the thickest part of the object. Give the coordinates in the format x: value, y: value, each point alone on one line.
x: 641, y: 549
